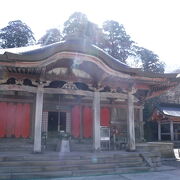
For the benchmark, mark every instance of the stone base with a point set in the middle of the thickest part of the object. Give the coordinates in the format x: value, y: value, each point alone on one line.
x: 65, y: 146
x: 164, y: 148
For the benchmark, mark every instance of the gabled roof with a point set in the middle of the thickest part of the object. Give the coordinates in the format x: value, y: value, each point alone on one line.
x: 169, y: 109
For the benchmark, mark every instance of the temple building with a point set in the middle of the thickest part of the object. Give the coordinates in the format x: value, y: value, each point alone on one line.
x: 75, y: 87
x: 168, y: 118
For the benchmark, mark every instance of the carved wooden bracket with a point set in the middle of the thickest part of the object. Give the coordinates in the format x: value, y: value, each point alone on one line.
x: 70, y: 85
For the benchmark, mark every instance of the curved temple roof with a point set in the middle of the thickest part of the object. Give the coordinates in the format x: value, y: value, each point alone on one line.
x: 77, y: 45
x: 91, y: 61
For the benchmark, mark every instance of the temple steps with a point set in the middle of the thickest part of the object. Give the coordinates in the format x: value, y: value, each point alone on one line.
x: 34, y: 163
x: 13, y: 144
x: 81, y: 146
x: 76, y: 145
x: 49, y: 165
x: 56, y: 174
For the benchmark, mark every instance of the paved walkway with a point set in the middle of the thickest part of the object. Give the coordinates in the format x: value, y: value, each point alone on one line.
x: 169, y: 171
x: 163, y: 175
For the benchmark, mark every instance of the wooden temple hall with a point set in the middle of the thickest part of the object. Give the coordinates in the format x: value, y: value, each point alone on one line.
x: 167, y: 115
x: 77, y: 88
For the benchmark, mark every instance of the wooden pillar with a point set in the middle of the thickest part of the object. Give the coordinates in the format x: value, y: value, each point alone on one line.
x: 130, y: 119
x: 96, y: 121
x: 172, y: 130
x: 59, y: 116
x: 45, y: 121
x: 113, y: 114
x: 141, y: 127
x: 33, y: 116
x: 68, y: 122
x: 59, y: 112
x: 159, y: 131
x: 38, y: 121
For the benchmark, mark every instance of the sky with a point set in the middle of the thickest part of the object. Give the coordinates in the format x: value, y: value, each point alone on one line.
x: 153, y: 24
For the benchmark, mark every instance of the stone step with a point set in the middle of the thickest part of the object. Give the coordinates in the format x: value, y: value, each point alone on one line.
x: 35, y: 175
x: 51, y: 165
x: 44, y: 162
x: 70, y: 156
x: 45, y: 168
x: 111, y: 171
x: 81, y: 149
x: 56, y: 174
x: 63, y: 156
x: 20, y: 149
x: 81, y: 146
x: 13, y: 144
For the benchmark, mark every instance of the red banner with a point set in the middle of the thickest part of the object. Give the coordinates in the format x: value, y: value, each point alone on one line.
x: 87, y: 122
x: 18, y: 125
x: 75, y: 124
x: 105, y: 116
x: 14, y: 120
x: 26, y: 124
x: 3, y: 109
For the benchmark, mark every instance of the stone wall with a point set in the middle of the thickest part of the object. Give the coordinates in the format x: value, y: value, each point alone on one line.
x: 164, y: 148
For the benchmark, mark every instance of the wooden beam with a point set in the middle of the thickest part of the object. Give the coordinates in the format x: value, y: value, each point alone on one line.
x: 113, y: 95
x: 142, y: 86
x: 84, y: 93
x: 16, y: 100
x: 18, y: 75
x: 12, y: 87
x: 67, y: 91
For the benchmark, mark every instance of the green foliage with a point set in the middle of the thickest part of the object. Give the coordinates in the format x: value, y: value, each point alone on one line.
x: 51, y: 36
x: 16, y: 34
x: 149, y: 107
x: 118, y: 43
x: 151, y: 131
x: 150, y: 126
x: 79, y: 25
x: 150, y: 61
x: 112, y: 38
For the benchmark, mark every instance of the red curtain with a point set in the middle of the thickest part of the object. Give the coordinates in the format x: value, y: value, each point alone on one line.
x: 3, y: 112
x: 75, y: 126
x: 87, y: 122
x: 14, y: 120
x: 105, y: 116
x: 11, y: 113
x: 26, y: 124
x: 19, y: 121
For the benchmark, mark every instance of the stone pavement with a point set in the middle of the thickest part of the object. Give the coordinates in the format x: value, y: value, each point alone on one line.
x: 163, y: 175
x: 169, y: 171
